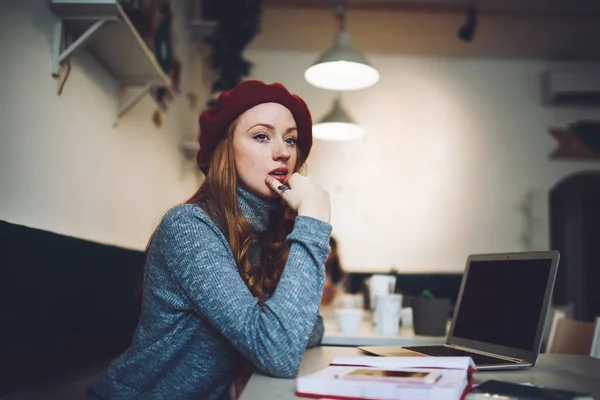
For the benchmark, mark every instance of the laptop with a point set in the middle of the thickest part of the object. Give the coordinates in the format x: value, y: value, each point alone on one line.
x: 500, y: 312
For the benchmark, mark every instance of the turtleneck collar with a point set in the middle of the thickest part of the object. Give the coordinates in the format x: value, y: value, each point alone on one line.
x: 256, y: 209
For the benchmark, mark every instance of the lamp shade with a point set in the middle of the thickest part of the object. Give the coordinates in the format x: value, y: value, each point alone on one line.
x: 342, y: 68
x: 337, y: 125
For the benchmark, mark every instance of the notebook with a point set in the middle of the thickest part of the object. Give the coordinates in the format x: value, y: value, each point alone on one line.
x: 500, y: 312
x: 375, y: 378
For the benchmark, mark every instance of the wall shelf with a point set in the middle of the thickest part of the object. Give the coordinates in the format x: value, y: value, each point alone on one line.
x: 102, y: 26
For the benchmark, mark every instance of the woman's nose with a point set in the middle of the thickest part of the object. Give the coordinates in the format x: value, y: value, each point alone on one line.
x: 282, y: 151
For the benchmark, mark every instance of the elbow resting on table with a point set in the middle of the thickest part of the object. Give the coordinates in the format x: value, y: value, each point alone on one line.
x: 285, y: 366
x: 286, y: 371
x: 279, y: 355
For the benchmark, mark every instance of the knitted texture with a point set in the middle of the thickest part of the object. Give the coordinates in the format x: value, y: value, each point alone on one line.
x: 200, y: 324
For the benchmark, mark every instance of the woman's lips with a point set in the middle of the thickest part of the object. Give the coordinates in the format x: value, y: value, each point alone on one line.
x: 280, y: 178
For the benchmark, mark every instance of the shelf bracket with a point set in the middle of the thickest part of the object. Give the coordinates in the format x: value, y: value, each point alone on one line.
x: 126, y: 105
x: 58, y: 54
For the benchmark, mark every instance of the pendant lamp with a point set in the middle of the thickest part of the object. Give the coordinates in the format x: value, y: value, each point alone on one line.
x: 337, y: 125
x: 342, y: 67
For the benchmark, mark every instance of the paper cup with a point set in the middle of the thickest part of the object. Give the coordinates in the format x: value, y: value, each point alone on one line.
x: 388, y: 324
x: 349, y: 319
x: 347, y: 300
x: 406, y: 316
x: 387, y: 313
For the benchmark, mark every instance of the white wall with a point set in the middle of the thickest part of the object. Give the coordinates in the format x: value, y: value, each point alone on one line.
x: 63, y: 167
x: 453, y: 147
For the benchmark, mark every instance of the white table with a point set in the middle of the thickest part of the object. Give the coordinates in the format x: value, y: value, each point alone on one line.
x: 367, y: 334
x: 561, y: 371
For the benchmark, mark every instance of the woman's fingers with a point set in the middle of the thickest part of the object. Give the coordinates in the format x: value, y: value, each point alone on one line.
x: 303, y: 195
x: 284, y: 191
x: 277, y: 186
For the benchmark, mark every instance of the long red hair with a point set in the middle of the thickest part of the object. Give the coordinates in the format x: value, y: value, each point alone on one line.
x: 218, y: 198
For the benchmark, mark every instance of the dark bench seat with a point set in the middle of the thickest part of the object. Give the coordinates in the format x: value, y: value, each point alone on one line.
x: 67, y: 306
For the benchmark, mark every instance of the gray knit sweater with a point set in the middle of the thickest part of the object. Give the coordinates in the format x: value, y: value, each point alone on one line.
x: 200, y: 324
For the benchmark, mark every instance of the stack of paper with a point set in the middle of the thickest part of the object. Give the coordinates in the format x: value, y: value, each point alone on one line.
x: 455, y: 379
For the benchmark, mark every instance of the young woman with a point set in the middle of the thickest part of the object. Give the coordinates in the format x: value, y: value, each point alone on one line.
x: 233, y: 278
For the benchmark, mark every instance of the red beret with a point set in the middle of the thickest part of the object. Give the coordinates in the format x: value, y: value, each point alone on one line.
x: 234, y: 102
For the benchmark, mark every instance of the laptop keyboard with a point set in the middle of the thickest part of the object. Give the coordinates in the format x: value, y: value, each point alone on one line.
x: 445, y: 351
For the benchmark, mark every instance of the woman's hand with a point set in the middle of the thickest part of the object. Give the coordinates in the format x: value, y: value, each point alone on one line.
x: 303, y: 196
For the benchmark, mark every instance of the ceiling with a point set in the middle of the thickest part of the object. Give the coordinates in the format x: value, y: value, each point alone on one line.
x: 565, y: 30
x: 560, y: 8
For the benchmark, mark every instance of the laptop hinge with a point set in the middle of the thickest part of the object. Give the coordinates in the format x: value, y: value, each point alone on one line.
x: 471, y: 350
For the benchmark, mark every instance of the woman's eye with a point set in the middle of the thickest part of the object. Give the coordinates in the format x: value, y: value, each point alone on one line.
x: 291, y: 141
x: 261, y: 137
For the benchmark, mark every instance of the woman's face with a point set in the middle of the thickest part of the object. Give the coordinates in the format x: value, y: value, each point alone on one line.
x: 264, y: 144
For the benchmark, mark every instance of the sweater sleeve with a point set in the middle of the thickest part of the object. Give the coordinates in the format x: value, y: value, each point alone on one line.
x: 316, y: 336
x: 272, y: 336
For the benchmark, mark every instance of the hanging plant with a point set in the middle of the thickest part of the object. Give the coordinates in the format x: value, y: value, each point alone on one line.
x: 238, y: 24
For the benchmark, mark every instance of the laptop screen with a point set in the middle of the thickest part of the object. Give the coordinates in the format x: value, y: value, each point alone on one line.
x: 502, y: 302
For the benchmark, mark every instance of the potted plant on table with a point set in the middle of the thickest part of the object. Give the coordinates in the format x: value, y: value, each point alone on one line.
x: 430, y: 314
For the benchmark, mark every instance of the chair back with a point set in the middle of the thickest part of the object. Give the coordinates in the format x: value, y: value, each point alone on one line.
x: 572, y: 337
x: 552, y: 323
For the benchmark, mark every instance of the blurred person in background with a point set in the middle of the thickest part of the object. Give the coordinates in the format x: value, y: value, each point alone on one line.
x: 334, y: 275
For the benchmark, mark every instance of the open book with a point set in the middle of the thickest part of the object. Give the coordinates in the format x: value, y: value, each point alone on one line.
x: 375, y: 378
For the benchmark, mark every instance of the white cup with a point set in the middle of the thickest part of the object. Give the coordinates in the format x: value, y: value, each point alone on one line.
x: 388, y: 324
x: 387, y: 312
x: 349, y: 319
x: 380, y: 284
x: 406, y: 315
x: 347, y: 300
